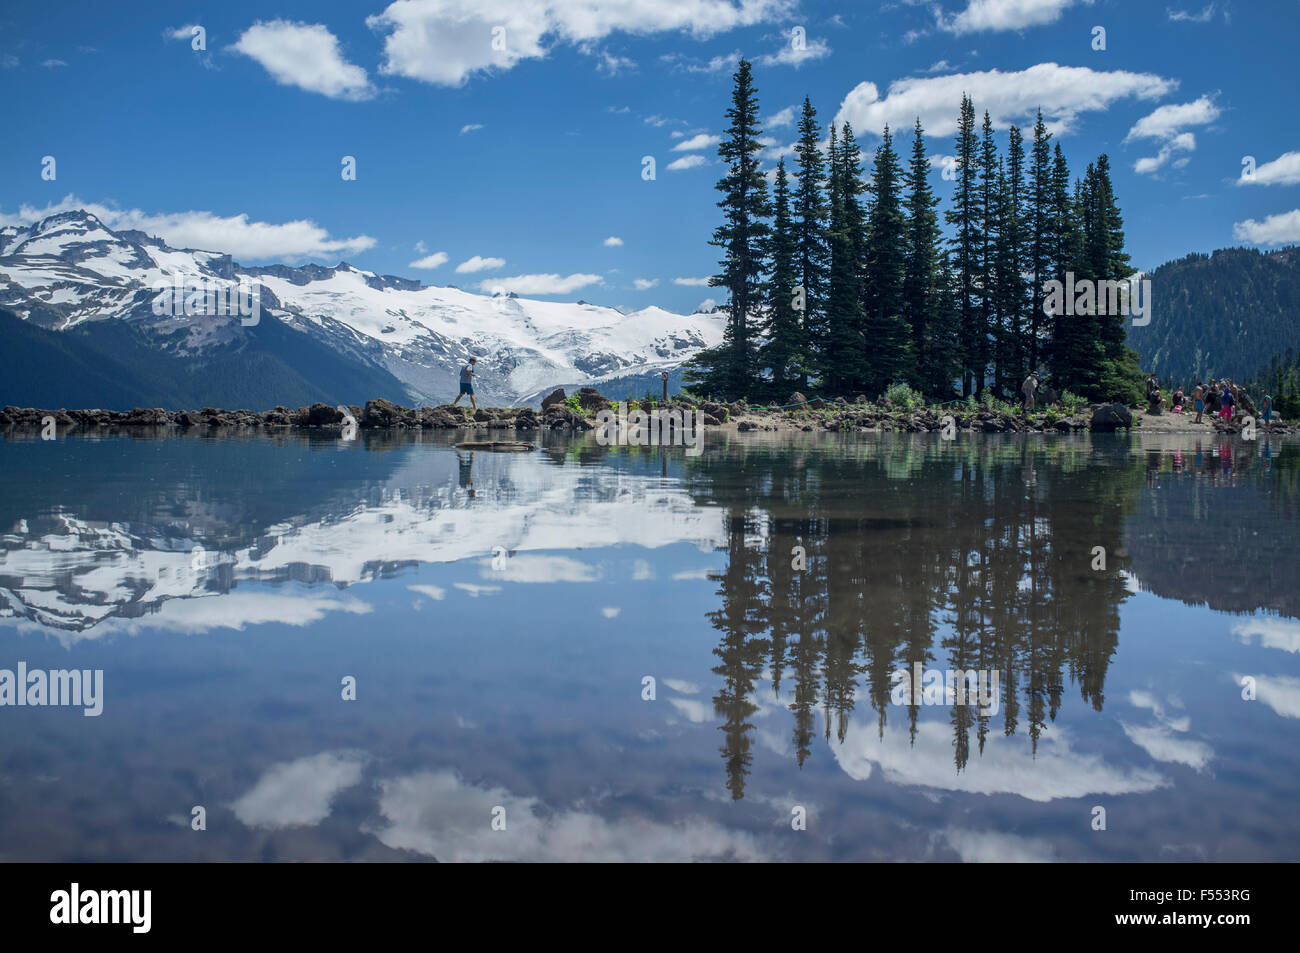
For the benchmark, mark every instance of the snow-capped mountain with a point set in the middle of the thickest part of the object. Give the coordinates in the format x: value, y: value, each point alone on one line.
x: 69, y: 270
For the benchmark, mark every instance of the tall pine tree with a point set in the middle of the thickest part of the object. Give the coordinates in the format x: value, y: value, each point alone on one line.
x: 810, y: 226
x: 729, y: 370
x: 925, y: 305
x: 965, y: 217
x: 888, y: 342
x: 783, y: 352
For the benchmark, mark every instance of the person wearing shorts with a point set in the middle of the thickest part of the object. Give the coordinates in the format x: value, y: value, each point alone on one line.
x: 1198, y: 397
x: 467, y: 383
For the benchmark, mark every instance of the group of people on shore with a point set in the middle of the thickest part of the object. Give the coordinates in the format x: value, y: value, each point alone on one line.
x: 1224, y: 399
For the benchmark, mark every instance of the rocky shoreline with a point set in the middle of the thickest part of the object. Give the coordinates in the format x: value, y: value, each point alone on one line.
x: 559, y: 413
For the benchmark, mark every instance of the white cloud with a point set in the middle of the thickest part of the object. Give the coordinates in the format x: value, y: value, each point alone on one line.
x: 447, y: 41
x: 234, y: 234
x: 783, y: 117
x: 702, y: 141
x: 185, y: 32
x: 1168, y: 121
x: 705, y: 306
x: 613, y: 65
x: 299, y: 793
x: 1063, y: 92
x: 305, y: 55
x: 479, y: 263
x: 687, y: 162
x: 1279, y: 229
x: 1183, y: 142
x: 613, y: 242
x: 1186, y: 16
x: 470, y: 127
x: 1284, y: 170
x: 436, y: 260
x: 53, y: 64
x: 692, y: 282
x: 645, y: 284
x: 790, y: 55
x: 540, y: 284
x: 993, y: 15
x: 610, y: 612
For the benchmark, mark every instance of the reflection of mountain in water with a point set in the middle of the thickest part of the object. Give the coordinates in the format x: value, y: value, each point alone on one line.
x: 218, y: 513
x: 1213, y: 526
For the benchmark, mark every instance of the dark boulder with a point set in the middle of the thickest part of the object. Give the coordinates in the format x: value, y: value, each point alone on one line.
x: 318, y: 415
x: 554, y: 397
x: 1109, y: 418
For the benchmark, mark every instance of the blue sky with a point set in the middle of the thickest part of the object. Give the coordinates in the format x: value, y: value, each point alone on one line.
x: 530, y: 157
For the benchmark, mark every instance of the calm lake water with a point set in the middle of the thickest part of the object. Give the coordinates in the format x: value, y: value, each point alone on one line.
x: 502, y: 615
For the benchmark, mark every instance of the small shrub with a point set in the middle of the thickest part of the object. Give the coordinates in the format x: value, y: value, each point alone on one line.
x: 901, y: 395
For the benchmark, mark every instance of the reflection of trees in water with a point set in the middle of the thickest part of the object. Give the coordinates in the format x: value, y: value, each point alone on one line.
x: 969, y: 557
x: 1217, y: 528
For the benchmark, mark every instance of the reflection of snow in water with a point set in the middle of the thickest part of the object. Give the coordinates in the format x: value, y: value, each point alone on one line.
x: 83, y: 573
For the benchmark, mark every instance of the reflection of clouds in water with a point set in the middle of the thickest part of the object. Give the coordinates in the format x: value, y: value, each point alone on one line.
x: 682, y: 687
x: 1160, y: 742
x: 687, y: 574
x: 433, y: 592
x: 1279, y: 692
x: 233, y: 610
x: 642, y: 570
x: 694, y: 711
x: 991, y: 847
x: 1007, y: 765
x: 610, y: 612
x: 541, y: 569
x: 299, y: 793
x: 475, y: 591
x: 438, y: 814
x: 1159, y: 739
x: 1272, y: 633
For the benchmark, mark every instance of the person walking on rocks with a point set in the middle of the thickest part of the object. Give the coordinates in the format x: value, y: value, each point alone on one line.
x: 467, y: 384
x: 1029, y: 388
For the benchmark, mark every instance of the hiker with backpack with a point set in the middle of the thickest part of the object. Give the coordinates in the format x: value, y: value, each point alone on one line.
x: 467, y: 384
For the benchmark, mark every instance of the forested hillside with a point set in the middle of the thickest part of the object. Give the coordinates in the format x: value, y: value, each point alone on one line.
x: 1221, y: 315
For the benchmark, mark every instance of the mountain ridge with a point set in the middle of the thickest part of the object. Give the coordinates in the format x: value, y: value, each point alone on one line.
x: 402, y: 339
